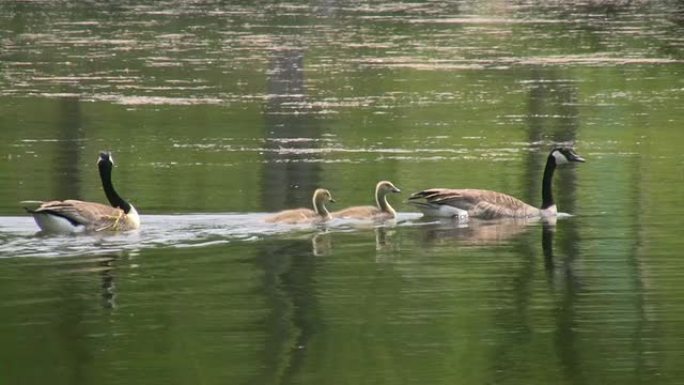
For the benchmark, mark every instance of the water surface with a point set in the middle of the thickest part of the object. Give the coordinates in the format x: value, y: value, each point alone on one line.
x: 220, y: 112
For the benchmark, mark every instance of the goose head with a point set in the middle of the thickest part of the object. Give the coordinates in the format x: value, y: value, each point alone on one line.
x: 563, y: 155
x: 105, y: 158
x: 381, y: 190
x: 322, y: 195
x: 385, y: 187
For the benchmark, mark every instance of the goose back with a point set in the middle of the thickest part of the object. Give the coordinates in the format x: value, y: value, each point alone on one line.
x: 485, y: 204
x: 361, y: 212
x: 54, y: 216
x: 294, y: 216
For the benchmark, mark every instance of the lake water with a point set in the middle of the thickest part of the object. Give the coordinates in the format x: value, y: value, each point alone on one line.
x: 220, y: 112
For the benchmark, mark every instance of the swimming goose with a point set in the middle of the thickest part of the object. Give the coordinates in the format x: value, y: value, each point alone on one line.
x: 382, y: 210
x: 294, y: 216
x: 486, y: 204
x: 71, y: 216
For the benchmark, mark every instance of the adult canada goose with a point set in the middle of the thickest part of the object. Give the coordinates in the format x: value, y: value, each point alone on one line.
x: 486, y: 204
x: 382, y: 210
x: 71, y: 216
x: 303, y: 215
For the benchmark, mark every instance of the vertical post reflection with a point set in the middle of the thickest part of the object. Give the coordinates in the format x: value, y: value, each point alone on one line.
x: 289, y: 176
x: 553, y: 117
x: 565, y: 339
x: 67, y: 184
x: 66, y: 163
x: 288, y: 286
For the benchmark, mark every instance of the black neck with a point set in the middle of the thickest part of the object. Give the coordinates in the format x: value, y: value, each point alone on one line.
x: 112, y: 196
x: 547, y: 195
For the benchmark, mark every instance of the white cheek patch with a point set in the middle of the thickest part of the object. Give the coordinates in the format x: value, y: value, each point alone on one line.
x: 560, y: 158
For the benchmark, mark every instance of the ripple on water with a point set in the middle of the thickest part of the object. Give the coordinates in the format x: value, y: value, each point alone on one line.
x: 20, y: 237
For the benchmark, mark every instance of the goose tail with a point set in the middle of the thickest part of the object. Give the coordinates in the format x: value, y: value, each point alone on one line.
x: 31, y: 206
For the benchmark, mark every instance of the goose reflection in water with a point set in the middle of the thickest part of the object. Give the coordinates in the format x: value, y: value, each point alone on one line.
x: 383, y: 239
x: 477, y: 232
x: 321, y: 244
x: 505, y: 231
x: 108, y: 285
x: 559, y: 271
x: 104, y: 267
x: 322, y: 241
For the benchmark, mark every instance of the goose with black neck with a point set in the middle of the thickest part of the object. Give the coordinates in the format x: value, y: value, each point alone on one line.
x: 487, y: 204
x: 73, y: 216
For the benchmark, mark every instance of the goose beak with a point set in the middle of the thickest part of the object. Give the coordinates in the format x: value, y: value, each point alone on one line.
x: 577, y: 158
x: 395, y: 190
x: 332, y: 200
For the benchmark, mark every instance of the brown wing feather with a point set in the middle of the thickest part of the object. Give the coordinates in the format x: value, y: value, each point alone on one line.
x: 92, y: 215
x: 358, y: 212
x: 479, y: 203
x: 293, y: 216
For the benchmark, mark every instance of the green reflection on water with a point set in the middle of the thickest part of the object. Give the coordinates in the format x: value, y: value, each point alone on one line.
x: 223, y: 108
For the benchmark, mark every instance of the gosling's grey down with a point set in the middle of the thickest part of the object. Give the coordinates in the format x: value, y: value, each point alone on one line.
x: 486, y: 204
x: 303, y: 215
x: 381, y: 210
x: 71, y: 216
